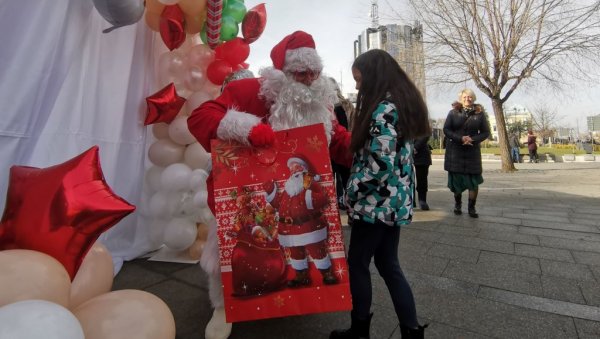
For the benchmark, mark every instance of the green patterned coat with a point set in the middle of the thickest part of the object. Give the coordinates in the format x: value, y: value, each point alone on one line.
x: 381, y: 180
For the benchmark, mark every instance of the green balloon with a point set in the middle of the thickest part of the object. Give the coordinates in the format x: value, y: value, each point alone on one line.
x: 203, y: 36
x: 236, y: 10
x: 229, y: 28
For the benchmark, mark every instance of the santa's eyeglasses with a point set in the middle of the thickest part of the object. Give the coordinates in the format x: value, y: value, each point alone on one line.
x: 308, y: 74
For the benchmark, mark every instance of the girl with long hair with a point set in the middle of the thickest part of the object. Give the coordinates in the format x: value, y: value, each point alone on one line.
x: 390, y: 114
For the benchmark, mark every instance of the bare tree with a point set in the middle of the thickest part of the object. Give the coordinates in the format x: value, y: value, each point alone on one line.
x: 498, y: 44
x: 545, y: 120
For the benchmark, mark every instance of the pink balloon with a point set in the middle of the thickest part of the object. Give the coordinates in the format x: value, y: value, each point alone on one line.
x: 94, y: 277
x: 27, y: 274
x: 194, y: 79
x: 165, y: 152
x: 200, y: 56
x: 126, y: 314
x: 171, y: 65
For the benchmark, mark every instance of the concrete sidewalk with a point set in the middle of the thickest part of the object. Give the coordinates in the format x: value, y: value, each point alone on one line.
x: 529, y: 267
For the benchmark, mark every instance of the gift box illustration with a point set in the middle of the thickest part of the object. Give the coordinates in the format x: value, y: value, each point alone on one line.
x: 280, y: 238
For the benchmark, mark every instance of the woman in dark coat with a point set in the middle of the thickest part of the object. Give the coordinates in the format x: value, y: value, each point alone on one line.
x: 422, y: 161
x: 465, y: 128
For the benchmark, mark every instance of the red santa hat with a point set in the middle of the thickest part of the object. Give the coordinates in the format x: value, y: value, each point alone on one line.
x: 296, y: 53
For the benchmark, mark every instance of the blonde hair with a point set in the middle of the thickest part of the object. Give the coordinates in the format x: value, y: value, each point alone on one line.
x: 468, y: 92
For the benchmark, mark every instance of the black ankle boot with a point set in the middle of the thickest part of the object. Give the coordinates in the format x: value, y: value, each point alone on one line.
x: 458, y: 204
x: 413, y: 333
x: 472, y: 211
x: 423, y: 201
x: 360, y: 329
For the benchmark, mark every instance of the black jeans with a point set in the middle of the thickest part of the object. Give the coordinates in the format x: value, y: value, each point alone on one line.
x: 380, y: 241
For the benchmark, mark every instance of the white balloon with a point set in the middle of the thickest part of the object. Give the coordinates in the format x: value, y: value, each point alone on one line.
x: 198, y: 180
x: 156, y: 231
x: 180, y: 233
x: 186, y: 206
x: 153, y: 177
x: 38, y: 319
x: 201, y: 199
x: 163, y: 204
x: 196, y: 156
x: 179, y: 131
x: 175, y: 177
x: 160, y: 130
x: 165, y: 152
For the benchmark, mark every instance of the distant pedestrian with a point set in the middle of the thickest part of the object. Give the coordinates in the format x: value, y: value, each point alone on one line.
x: 422, y: 161
x: 515, y: 151
x: 532, y: 146
x: 343, y: 110
x: 465, y: 128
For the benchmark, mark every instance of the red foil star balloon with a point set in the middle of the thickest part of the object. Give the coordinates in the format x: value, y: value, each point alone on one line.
x: 163, y: 106
x: 60, y: 210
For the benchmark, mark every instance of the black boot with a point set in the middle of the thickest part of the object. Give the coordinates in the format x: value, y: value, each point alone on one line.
x: 360, y: 329
x: 458, y: 204
x: 472, y: 211
x: 301, y: 279
x: 413, y: 333
x: 328, y: 277
x: 423, y: 201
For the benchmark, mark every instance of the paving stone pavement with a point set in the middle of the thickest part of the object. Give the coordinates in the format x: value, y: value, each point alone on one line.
x: 528, y: 267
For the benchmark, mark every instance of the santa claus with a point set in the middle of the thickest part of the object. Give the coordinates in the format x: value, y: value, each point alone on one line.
x: 290, y: 94
x: 302, y: 225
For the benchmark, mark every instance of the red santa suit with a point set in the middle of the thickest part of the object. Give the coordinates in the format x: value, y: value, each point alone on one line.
x: 243, y: 105
x: 302, y: 225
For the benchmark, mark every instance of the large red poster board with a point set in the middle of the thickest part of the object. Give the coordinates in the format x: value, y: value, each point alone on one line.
x: 266, y: 228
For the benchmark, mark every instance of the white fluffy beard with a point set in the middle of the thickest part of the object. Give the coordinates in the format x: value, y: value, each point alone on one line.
x: 295, y: 104
x: 295, y: 184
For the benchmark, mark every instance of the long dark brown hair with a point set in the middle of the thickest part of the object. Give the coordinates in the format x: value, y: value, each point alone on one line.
x: 383, y: 79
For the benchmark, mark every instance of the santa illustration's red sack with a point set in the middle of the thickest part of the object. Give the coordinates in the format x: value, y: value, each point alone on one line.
x: 280, y: 238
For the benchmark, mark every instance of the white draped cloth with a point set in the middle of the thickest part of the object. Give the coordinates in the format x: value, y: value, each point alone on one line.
x: 64, y: 87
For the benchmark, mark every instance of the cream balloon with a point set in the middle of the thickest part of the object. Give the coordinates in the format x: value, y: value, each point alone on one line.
x: 195, y: 100
x: 179, y: 131
x: 165, y: 152
x: 38, y: 319
x: 180, y: 233
x: 160, y: 130
x: 196, y: 157
x: 126, y: 314
x: 27, y: 274
x: 195, y: 250
x: 194, y: 79
x: 94, y: 277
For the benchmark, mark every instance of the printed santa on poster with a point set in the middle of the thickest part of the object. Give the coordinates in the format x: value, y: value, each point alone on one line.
x: 280, y: 238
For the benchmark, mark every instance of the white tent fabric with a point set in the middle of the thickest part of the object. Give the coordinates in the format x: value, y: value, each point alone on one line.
x: 64, y: 87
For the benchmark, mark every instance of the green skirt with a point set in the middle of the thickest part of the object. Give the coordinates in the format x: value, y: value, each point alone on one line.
x: 459, y: 182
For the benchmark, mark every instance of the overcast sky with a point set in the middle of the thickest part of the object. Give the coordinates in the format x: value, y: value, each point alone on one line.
x: 335, y: 24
